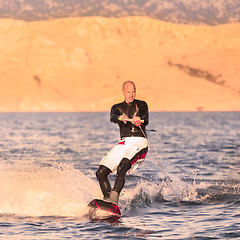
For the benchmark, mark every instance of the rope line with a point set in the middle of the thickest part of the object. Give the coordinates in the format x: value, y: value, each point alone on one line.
x: 171, y: 187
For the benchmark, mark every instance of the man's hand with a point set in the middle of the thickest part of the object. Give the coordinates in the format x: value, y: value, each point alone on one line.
x: 123, y: 117
x: 136, y: 121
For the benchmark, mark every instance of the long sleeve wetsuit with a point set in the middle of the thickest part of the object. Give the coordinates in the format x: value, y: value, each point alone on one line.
x: 136, y: 108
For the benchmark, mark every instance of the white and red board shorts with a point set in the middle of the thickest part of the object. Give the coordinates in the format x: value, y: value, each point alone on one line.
x: 133, y: 148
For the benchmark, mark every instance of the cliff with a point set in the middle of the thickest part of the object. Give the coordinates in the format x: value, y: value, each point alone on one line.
x: 79, y: 64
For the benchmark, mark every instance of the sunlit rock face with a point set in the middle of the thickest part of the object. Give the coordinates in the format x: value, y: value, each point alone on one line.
x: 79, y: 64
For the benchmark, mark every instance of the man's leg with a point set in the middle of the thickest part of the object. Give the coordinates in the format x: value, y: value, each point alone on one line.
x: 122, y: 169
x: 102, y: 176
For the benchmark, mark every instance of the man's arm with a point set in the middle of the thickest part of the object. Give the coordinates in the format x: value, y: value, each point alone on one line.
x: 143, y: 115
x: 143, y: 111
x: 114, y: 114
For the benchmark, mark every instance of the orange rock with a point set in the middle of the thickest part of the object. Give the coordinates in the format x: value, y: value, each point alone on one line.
x: 79, y: 64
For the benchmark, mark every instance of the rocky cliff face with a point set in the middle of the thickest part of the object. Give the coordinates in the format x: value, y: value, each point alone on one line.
x: 79, y: 64
x: 180, y: 11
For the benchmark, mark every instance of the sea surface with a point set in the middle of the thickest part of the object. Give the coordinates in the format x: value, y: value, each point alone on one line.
x: 187, y: 188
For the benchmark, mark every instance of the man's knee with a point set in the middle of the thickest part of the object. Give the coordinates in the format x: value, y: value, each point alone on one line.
x: 123, y: 166
x: 102, y: 172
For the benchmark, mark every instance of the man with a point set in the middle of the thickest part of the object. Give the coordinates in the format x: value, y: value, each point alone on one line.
x: 132, y: 117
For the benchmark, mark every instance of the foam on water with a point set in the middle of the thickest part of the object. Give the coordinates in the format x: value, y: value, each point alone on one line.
x: 30, y: 189
x: 167, y: 190
x: 52, y: 188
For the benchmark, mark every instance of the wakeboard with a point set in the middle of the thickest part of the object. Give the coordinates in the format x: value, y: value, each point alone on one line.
x: 103, y: 210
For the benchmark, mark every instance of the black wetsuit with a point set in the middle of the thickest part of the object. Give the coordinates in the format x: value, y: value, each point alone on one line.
x: 136, y: 108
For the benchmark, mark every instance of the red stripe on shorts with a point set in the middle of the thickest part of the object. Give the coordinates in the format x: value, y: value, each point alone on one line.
x: 142, y: 156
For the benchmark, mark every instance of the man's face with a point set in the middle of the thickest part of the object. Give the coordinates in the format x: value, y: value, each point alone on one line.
x: 129, y: 92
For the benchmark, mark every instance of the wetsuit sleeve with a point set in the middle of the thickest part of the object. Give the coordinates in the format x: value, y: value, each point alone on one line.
x: 114, y: 114
x: 144, y: 113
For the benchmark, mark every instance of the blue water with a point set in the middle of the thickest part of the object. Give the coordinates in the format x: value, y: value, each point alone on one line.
x: 48, y: 163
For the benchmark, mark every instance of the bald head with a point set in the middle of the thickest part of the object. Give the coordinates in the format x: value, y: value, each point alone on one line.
x: 129, y: 83
x: 129, y: 91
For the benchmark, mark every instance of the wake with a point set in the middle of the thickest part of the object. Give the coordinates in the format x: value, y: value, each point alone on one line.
x: 155, y: 193
x: 45, y: 189
x: 56, y: 189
